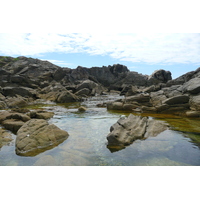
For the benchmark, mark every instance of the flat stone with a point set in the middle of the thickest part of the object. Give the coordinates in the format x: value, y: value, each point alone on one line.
x: 193, y: 113
x: 12, y: 124
x: 180, y: 99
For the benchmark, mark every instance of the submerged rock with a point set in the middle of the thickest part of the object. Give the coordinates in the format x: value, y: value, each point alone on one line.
x: 82, y: 109
x: 36, y: 135
x: 5, y: 137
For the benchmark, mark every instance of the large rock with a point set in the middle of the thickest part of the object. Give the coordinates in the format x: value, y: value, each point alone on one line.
x: 192, y: 86
x: 22, y: 91
x: 184, y: 78
x: 37, y: 135
x: 67, y: 97
x: 126, y: 130
x: 13, y: 125
x: 13, y: 120
x: 18, y: 101
x: 179, y: 99
x: 195, y: 102
x: 159, y: 76
x: 156, y: 98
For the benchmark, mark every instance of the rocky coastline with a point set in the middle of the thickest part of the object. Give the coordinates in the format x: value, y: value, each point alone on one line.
x: 25, y: 81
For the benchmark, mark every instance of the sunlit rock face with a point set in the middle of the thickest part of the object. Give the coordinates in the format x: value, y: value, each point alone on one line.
x: 128, y: 129
x: 37, y: 135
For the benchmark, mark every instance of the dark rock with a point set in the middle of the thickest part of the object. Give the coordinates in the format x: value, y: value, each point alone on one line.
x: 180, y: 99
x: 83, y: 92
x: 159, y: 76
x: 22, y: 91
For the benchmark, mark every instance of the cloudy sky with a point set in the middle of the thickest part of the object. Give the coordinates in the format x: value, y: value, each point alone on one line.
x: 144, y: 53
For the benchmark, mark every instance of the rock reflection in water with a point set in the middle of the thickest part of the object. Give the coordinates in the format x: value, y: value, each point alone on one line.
x: 128, y: 129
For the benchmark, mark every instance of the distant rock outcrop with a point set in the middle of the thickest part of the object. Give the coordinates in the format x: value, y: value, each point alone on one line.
x: 180, y: 96
x: 28, y: 79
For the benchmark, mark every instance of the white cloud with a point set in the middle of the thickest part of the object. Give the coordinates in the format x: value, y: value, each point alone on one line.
x: 59, y: 62
x: 149, y: 48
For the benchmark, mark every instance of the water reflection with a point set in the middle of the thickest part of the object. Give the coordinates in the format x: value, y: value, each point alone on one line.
x: 39, y: 150
x: 87, y: 143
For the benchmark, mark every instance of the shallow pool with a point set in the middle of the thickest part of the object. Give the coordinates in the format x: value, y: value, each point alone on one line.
x: 87, y: 143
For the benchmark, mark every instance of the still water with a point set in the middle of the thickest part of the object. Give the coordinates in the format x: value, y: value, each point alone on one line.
x: 87, y: 143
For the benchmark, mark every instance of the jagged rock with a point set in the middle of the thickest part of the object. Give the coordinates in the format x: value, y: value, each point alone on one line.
x: 128, y: 129
x: 156, y: 98
x: 129, y: 90
x: 36, y: 135
x: 159, y: 76
x: 87, y: 84
x: 66, y: 97
x: 18, y: 101
x: 184, y: 78
x: 172, y: 91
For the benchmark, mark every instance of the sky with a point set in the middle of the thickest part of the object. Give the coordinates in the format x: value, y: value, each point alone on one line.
x: 143, y: 35
x: 140, y: 52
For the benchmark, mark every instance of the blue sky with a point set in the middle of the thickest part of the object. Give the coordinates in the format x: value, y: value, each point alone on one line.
x: 140, y: 52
